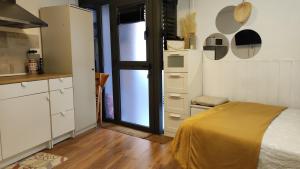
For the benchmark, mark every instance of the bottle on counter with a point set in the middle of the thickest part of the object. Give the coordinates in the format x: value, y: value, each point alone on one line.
x: 41, y: 66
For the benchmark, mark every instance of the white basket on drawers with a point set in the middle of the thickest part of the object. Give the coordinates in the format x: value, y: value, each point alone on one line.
x: 182, y: 82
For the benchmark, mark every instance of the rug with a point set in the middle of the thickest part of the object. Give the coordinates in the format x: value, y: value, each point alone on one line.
x: 39, y: 161
x: 126, y: 130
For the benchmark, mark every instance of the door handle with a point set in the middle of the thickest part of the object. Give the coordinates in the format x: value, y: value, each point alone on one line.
x: 175, y: 75
x: 175, y: 96
x: 174, y: 115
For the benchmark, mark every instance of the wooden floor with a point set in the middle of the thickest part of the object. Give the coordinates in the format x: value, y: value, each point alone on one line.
x: 107, y: 149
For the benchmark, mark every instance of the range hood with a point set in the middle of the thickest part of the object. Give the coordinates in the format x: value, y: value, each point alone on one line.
x: 12, y: 15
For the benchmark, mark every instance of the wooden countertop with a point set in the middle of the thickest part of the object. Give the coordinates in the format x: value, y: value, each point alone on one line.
x: 28, y: 78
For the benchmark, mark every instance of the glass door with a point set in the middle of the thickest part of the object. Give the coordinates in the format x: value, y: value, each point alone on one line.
x: 133, y: 66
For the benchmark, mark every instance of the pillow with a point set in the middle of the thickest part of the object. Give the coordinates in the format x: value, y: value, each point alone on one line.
x: 209, y: 101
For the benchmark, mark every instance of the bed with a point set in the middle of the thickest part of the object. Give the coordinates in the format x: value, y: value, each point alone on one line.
x: 279, y: 146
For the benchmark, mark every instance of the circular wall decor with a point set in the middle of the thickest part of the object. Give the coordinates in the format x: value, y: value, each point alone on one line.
x: 216, y: 46
x: 225, y: 21
x: 246, y: 44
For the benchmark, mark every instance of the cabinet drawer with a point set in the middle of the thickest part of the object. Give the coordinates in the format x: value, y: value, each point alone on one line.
x: 173, y: 121
x: 61, y: 100
x: 176, y: 82
x: 177, y: 102
x: 62, y: 123
x: 23, y: 89
x: 198, y: 109
x: 175, y: 61
x: 61, y: 83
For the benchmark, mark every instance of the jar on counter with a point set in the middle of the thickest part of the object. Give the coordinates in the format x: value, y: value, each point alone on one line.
x: 32, y: 66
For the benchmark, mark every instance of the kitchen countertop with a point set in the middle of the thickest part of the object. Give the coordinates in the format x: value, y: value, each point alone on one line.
x: 28, y: 78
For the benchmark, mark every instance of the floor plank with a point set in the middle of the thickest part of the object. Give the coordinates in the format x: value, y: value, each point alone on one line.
x: 107, y: 149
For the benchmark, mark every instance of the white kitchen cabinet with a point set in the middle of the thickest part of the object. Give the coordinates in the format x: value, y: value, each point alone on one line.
x: 24, y: 123
x: 68, y: 47
x: 62, y: 106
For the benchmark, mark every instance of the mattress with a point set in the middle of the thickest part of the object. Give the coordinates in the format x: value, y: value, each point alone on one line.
x: 280, y: 147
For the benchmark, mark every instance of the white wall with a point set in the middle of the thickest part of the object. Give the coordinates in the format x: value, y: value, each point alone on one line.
x: 272, y: 76
x: 33, y: 6
x: 277, y: 22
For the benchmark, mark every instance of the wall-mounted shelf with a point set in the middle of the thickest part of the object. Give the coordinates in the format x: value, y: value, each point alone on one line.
x: 220, y: 50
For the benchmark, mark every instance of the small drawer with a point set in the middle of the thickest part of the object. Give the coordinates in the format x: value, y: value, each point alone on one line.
x: 198, y: 109
x: 177, y: 102
x: 23, y: 89
x: 176, y: 82
x: 175, y: 61
x: 61, y: 100
x: 62, y: 123
x: 173, y: 121
x: 61, y: 83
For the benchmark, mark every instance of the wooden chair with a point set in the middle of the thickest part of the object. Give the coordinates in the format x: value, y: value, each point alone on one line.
x: 101, y: 79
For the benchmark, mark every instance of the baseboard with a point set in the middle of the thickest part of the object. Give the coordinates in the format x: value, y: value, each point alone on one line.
x: 62, y: 137
x: 169, y: 134
x: 20, y: 156
x: 78, y: 132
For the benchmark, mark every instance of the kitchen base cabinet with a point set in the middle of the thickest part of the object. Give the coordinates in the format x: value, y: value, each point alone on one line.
x: 24, y: 123
x: 33, y: 116
x: 62, y: 107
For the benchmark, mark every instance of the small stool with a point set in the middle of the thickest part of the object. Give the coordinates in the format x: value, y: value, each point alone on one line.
x: 101, y: 79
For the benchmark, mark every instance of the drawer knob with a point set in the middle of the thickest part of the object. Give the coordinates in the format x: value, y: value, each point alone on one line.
x: 47, y: 98
x: 62, y: 114
x: 62, y: 91
x: 24, y: 84
x: 61, y: 79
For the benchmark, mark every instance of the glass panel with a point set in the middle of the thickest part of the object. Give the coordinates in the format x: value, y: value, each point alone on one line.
x: 132, y: 42
x: 96, y: 48
x: 175, y: 61
x: 108, y: 92
x: 135, y: 96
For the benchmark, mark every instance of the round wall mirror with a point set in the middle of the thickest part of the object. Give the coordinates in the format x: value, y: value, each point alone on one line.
x: 215, y: 46
x: 225, y: 21
x: 246, y: 44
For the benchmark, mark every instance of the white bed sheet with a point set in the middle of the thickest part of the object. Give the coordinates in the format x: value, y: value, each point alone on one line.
x: 280, y: 147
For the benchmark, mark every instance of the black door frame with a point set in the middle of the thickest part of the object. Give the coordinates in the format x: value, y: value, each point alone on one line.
x: 154, y: 52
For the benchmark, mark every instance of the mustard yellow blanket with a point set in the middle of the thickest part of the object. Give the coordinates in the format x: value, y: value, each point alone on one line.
x: 225, y: 137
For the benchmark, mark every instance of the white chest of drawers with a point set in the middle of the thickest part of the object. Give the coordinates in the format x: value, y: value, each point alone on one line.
x: 62, y: 106
x: 182, y: 82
